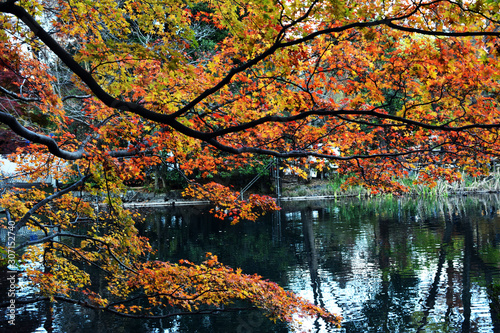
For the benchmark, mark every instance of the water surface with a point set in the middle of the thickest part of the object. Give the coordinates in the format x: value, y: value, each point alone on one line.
x: 385, y: 265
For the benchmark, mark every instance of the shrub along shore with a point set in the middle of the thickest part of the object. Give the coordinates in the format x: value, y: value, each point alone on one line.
x: 333, y: 187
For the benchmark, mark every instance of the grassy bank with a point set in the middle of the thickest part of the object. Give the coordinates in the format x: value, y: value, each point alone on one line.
x: 334, y: 187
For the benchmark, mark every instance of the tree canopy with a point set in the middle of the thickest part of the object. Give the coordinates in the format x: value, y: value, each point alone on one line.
x: 105, y: 90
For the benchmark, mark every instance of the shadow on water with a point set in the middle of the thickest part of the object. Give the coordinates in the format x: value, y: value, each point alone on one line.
x: 386, y: 265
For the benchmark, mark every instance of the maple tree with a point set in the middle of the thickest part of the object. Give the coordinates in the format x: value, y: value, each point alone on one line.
x: 383, y: 88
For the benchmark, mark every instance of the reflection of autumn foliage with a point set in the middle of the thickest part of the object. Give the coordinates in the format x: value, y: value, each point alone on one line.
x: 106, y: 91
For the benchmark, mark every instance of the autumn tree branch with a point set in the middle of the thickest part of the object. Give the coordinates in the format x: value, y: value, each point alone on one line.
x: 170, y: 119
x: 22, y: 222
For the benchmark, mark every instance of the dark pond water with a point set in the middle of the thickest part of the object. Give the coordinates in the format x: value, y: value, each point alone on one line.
x: 385, y: 265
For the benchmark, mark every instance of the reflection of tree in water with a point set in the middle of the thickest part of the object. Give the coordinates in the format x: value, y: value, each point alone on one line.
x: 445, y: 237
x: 477, y: 233
x: 312, y: 258
x: 462, y: 266
x: 431, y: 298
x: 389, y: 308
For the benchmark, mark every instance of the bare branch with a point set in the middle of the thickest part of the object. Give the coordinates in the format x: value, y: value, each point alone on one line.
x: 65, y: 98
x: 19, y: 97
